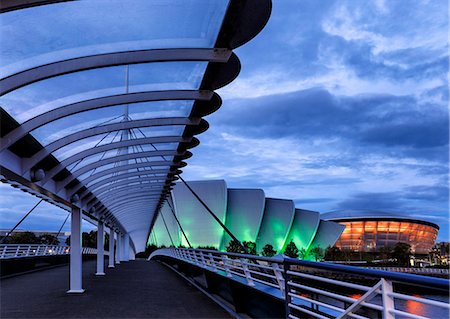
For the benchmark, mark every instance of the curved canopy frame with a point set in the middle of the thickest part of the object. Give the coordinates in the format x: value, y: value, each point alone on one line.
x: 115, y: 159
x: 120, y: 169
x: 108, y: 147
x: 114, y: 190
x: 127, y: 182
x: 107, y: 128
x: 20, y: 79
x: 117, y: 177
x: 98, y: 103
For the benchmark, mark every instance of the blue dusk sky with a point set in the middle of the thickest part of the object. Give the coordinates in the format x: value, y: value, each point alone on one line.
x: 339, y: 105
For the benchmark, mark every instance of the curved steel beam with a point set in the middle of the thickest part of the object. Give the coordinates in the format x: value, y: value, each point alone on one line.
x: 118, y: 182
x: 91, y: 196
x: 107, y: 147
x: 122, y: 168
x: 105, y: 188
x: 58, y: 68
x: 102, y: 102
x: 135, y: 204
x: 128, y: 192
x: 114, y: 159
x: 66, y: 140
x: 76, y: 188
x: 7, y: 6
x: 123, y: 191
x: 152, y: 197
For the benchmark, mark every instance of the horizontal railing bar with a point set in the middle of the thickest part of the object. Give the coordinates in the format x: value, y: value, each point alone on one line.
x: 331, y: 281
x: 323, y: 292
x: 311, y: 313
x: 316, y: 302
x: 428, y: 282
x: 407, y: 314
x: 419, y: 299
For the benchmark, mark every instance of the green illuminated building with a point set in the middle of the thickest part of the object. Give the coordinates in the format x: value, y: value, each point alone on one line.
x: 248, y: 214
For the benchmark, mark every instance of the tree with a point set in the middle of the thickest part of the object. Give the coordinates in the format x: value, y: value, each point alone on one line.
x: 268, y: 251
x: 148, y: 250
x: 317, y: 252
x: 47, y: 239
x: 402, y: 252
x: 251, y: 247
x: 386, y: 252
x: 89, y: 239
x: 303, y: 253
x: 291, y: 250
x: 26, y: 237
x: 333, y: 253
x: 234, y: 247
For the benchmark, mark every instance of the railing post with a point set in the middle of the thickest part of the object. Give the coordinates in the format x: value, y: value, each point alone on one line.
x: 287, y: 297
x: 4, y: 251
x: 213, y: 262
x: 388, y: 301
x: 225, y: 265
x: 195, y: 257
x: 16, y: 254
x: 28, y: 251
x: 202, y: 258
x: 279, y: 276
x: 248, y: 274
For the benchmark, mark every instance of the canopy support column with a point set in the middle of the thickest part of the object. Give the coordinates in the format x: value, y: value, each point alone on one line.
x: 126, y: 246
x: 118, y: 249
x: 75, y: 253
x: 111, y: 248
x: 100, y: 250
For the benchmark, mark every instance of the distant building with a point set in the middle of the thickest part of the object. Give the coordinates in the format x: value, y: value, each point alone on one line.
x: 368, y: 231
x: 61, y: 237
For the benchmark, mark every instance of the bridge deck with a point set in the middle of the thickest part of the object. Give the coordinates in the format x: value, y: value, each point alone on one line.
x: 136, y: 289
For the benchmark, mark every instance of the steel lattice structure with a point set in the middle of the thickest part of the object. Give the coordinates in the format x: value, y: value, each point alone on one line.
x: 101, y: 100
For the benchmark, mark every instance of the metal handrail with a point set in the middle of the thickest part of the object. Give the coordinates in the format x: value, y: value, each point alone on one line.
x: 318, y: 289
x: 9, y: 251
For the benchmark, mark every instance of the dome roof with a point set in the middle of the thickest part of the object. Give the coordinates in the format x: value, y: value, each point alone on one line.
x: 342, y: 215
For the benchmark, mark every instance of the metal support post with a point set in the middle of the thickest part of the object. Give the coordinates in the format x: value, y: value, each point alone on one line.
x: 388, y: 301
x: 100, y: 250
x: 118, y: 243
x: 75, y: 252
x: 111, y: 248
x: 122, y: 247
x: 126, y: 244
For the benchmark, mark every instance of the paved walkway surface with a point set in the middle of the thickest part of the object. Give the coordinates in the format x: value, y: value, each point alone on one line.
x: 136, y: 289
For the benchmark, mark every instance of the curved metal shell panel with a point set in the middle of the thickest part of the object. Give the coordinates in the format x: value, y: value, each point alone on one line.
x: 327, y: 234
x: 245, y: 208
x: 165, y: 222
x: 199, y: 226
x: 276, y: 222
x: 303, y: 228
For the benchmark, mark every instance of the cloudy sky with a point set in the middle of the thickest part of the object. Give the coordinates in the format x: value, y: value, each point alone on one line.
x: 339, y: 105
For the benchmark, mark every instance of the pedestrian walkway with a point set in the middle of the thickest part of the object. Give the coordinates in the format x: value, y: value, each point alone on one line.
x: 135, y: 289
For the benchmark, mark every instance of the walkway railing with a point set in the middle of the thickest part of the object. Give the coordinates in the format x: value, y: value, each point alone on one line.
x: 323, y: 290
x: 8, y: 251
